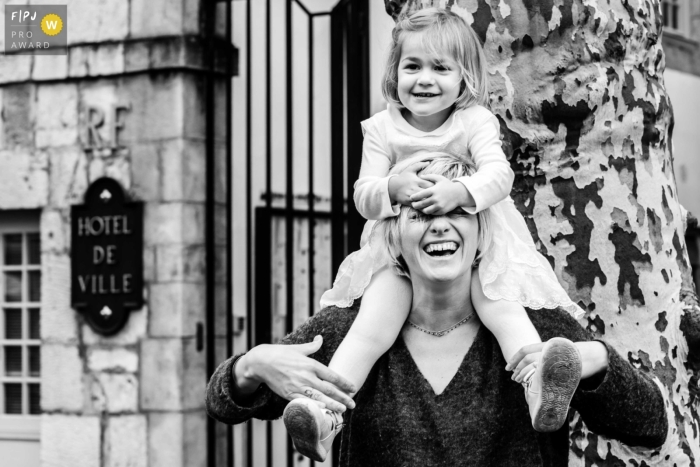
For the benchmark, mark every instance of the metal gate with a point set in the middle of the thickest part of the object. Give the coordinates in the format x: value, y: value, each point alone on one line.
x: 293, y: 145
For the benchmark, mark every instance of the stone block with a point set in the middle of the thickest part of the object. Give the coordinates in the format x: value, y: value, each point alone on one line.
x: 15, y: 68
x: 152, y: 18
x: 96, y: 60
x: 171, y: 223
x: 161, y: 374
x: 58, y: 319
x: 55, y: 231
x: 149, y: 264
x: 191, y: 18
x: 166, y: 439
x: 70, y: 441
x: 126, y: 441
x: 50, y: 67
x: 176, y: 308
x: 56, y: 115
x: 68, y: 175
x: 194, y: 122
x: 109, y: 20
x: 183, y: 170
x: 194, y: 375
x: 195, y: 446
x: 180, y: 263
x: 24, y: 179
x: 113, y: 359
x: 62, y: 371
x: 146, y: 169
x: 17, y: 122
x: 137, y: 56
x: 158, y: 109
x: 115, y: 393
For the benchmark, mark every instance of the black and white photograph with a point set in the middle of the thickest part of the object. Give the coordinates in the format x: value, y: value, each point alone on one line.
x: 350, y: 233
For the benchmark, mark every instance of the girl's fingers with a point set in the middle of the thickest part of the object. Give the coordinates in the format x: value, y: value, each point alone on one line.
x: 297, y: 395
x: 432, y: 177
x: 520, y: 354
x: 526, y: 361
x: 419, y: 195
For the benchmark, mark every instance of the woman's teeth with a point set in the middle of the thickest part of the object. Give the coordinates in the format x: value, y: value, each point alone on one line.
x: 441, y: 249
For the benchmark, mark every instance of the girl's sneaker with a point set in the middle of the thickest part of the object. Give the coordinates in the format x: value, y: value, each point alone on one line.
x: 551, y: 387
x: 311, y: 428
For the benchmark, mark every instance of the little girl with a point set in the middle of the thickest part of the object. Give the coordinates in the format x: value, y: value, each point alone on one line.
x: 435, y: 83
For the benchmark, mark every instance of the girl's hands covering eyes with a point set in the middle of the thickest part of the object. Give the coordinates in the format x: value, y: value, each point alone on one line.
x: 402, y: 186
x: 441, y: 198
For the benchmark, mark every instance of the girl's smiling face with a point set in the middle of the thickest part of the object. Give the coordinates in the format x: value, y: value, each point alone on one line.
x: 428, y: 85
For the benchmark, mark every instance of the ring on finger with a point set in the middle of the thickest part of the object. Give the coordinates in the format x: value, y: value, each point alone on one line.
x: 311, y: 394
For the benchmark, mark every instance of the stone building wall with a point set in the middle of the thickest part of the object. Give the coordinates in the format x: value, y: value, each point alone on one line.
x: 135, y: 398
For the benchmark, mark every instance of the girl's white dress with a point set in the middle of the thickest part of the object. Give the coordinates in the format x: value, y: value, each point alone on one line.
x: 511, y: 269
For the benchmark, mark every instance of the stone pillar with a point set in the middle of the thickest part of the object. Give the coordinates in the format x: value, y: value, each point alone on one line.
x: 136, y: 398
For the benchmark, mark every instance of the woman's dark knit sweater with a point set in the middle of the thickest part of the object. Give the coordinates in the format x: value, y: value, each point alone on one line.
x: 481, y: 418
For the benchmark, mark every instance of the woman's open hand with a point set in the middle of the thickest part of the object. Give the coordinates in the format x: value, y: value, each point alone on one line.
x: 290, y: 373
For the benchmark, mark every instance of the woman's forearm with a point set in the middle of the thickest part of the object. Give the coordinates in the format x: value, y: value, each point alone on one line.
x: 244, y: 381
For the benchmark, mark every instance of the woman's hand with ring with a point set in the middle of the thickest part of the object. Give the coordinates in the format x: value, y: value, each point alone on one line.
x: 290, y: 373
x: 524, y: 362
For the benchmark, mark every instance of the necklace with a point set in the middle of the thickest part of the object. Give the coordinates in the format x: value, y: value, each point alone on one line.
x: 444, y: 331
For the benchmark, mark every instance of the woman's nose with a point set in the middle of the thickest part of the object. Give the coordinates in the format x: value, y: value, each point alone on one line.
x: 439, y: 225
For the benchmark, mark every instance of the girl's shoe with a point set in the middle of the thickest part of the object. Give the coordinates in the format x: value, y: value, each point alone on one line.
x: 311, y: 428
x: 550, y: 389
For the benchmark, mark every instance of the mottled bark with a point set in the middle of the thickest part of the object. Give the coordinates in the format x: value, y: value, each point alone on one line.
x: 578, y: 88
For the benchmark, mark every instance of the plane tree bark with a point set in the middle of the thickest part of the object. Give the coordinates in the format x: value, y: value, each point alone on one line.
x: 586, y: 122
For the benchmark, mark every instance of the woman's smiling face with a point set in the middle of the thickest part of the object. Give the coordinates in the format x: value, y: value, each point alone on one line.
x: 428, y: 86
x: 439, y: 248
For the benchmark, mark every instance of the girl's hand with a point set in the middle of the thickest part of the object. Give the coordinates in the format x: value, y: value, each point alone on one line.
x: 402, y: 186
x: 290, y: 373
x: 524, y: 360
x: 443, y: 197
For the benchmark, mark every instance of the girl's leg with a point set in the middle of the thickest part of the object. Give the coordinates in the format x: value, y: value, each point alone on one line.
x: 507, y: 321
x: 383, y: 311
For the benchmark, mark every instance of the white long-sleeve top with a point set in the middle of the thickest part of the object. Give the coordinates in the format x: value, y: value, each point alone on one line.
x: 388, y: 139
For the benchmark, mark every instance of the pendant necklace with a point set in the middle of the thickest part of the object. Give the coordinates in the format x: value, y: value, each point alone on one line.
x: 444, y: 331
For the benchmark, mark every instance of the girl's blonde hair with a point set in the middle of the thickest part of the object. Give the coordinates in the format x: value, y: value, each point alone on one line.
x: 444, y: 33
x: 450, y: 167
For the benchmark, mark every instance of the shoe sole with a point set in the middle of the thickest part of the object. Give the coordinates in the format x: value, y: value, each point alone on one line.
x: 560, y: 372
x: 303, y: 429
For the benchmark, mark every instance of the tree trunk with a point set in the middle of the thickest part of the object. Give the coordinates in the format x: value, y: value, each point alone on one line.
x: 578, y: 88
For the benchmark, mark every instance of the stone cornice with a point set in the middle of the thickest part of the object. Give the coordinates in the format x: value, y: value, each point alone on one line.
x: 119, y: 58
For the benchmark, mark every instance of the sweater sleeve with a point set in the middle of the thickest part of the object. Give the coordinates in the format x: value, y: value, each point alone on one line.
x: 627, y: 405
x: 372, y: 187
x: 623, y: 403
x: 332, y: 323
x: 493, y: 179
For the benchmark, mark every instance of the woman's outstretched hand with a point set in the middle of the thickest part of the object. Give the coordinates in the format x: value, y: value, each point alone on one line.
x: 290, y: 373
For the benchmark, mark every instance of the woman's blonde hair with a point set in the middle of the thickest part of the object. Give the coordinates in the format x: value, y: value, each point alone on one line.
x: 444, y: 33
x: 392, y: 228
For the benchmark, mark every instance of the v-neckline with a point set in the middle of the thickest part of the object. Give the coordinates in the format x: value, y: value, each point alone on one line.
x: 451, y: 382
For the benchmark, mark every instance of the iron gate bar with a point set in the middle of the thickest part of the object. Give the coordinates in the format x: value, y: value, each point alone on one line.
x: 209, y: 12
x: 289, y: 220
x: 337, y: 162
x: 249, y: 221
x: 229, y: 219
